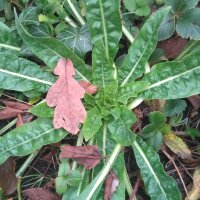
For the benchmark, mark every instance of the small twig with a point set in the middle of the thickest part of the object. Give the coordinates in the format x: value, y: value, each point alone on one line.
x: 19, y: 188
x: 137, y: 184
x: 172, y: 160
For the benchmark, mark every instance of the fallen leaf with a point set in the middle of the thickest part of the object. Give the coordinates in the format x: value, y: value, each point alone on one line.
x: 40, y: 194
x: 177, y: 145
x: 173, y: 46
x: 88, y: 87
x: 8, y: 179
x: 194, y: 193
x: 12, y: 109
x: 66, y: 95
x: 195, y: 101
x: 111, y: 184
x: 88, y: 156
x: 23, y: 119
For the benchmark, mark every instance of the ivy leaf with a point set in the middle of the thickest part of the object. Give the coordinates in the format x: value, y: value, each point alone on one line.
x: 77, y: 39
x: 180, y: 5
x: 66, y: 95
x: 120, y: 128
x: 167, y: 27
x: 174, y: 106
x: 139, y: 7
x: 188, y: 24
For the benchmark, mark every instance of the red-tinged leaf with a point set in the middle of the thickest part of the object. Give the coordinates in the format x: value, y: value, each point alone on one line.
x: 8, y: 179
x: 12, y: 109
x: 88, y: 156
x: 23, y: 119
x: 40, y: 194
x: 66, y: 95
x: 195, y: 101
x: 20, y: 121
x: 88, y: 87
x: 173, y: 46
x: 111, y: 184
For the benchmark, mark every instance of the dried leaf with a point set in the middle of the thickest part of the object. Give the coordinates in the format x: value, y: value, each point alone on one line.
x: 66, y: 95
x: 194, y: 193
x: 195, y: 101
x: 12, y: 109
x: 8, y: 179
x: 88, y: 87
x: 111, y: 184
x: 23, y: 119
x: 177, y: 145
x: 173, y: 46
x: 40, y: 194
x: 88, y: 156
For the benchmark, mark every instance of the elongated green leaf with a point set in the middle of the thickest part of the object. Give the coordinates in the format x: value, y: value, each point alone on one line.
x: 142, y: 48
x: 158, y: 184
x: 104, y: 22
x: 120, y: 128
x: 103, y: 71
x: 42, y: 110
x: 7, y: 40
x: 29, y: 137
x: 92, y: 123
x: 172, y: 80
x: 22, y: 75
x: 131, y: 90
x: 77, y: 39
x: 50, y: 50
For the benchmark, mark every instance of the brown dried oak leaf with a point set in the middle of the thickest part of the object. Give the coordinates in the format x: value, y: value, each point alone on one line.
x: 88, y: 156
x: 40, y: 194
x: 12, y: 109
x: 88, y: 87
x: 66, y: 95
x: 8, y: 179
x: 111, y: 184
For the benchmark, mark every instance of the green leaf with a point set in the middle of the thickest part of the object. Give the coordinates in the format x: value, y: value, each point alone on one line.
x: 174, y: 106
x: 157, y: 183
x: 157, y: 118
x: 152, y: 136
x: 139, y: 7
x: 120, y: 128
x: 92, y: 124
x: 167, y: 27
x: 77, y: 39
x: 103, y: 71
x: 180, y: 5
x: 172, y: 80
x: 142, y: 48
x: 104, y: 21
x: 28, y: 138
x: 192, y: 132
x: 50, y: 50
x: 22, y: 75
x: 131, y: 90
x: 7, y: 39
x: 42, y: 110
x: 188, y: 24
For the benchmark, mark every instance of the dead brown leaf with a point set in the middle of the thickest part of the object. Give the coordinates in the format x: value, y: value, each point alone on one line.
x: 173, y: 46
x: 111, y: 184
x: 177, y: 145
x: 40, y: 194
x: 88, y: 156
x: 88, y: 87
x: 195, y: 101
x: 23, y: 119
x: 194, y: 193
x: 66, y: 95
x: 12, y: 109
x: 8, y: 179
